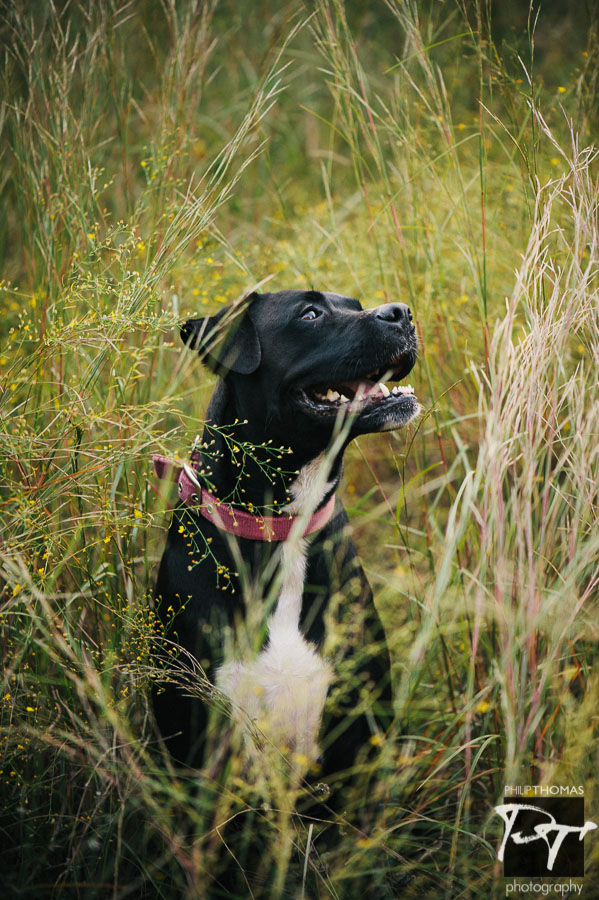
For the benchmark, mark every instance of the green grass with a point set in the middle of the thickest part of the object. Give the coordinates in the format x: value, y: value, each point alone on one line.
x: 160, y: 159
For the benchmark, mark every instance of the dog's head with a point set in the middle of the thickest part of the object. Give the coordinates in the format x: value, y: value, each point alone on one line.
x: 297, y: 360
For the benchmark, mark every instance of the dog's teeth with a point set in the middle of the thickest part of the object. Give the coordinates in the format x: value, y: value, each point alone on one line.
x: 332, y: 395
x: 395, y: 389
x: 344, y: 399
x: 384, y: 389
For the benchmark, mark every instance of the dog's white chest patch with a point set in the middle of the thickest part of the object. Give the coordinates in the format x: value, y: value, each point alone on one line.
x: 284, y: 689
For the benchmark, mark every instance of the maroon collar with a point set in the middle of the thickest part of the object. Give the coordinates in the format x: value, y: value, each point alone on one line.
x: 243, y: 524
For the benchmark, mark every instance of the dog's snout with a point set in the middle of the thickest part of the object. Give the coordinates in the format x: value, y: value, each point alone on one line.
x: 394, y: 312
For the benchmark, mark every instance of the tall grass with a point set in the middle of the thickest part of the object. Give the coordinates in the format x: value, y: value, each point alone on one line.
x: 164, y: 158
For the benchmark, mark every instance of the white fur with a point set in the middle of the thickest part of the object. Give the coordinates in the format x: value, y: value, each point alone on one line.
x: 305, y: 489
x: 284, y: 689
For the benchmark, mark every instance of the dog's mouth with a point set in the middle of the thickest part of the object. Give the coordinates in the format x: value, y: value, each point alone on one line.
x: 368, y: 394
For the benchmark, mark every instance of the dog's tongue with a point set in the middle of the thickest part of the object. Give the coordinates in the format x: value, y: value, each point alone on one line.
x: 345, y: 391
x: 364, y: 388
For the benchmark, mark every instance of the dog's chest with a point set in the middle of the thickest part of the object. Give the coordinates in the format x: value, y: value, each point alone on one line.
x: 283, y: 690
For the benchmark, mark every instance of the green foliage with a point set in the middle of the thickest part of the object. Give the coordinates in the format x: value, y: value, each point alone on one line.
x: 161, y: 159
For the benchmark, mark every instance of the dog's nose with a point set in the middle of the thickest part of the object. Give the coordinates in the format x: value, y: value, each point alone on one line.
x: 394, y: 312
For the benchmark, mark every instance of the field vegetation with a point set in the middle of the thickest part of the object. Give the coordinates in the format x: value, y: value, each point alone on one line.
x: 161, y: 159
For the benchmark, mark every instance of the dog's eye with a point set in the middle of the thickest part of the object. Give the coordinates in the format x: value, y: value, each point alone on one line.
x: 310, y: 314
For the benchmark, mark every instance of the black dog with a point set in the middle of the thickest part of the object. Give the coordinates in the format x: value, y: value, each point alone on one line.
x: 299, y: 370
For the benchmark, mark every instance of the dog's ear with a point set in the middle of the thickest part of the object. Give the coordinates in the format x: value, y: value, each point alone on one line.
x: 226, y: 342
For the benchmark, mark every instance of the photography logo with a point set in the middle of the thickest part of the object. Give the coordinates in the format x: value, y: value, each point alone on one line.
x: 543, y: 837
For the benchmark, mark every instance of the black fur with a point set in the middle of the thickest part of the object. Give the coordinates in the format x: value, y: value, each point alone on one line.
x: 269, y: 354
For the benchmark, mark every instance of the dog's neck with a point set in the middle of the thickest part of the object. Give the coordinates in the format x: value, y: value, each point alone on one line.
x: 304, y: 480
